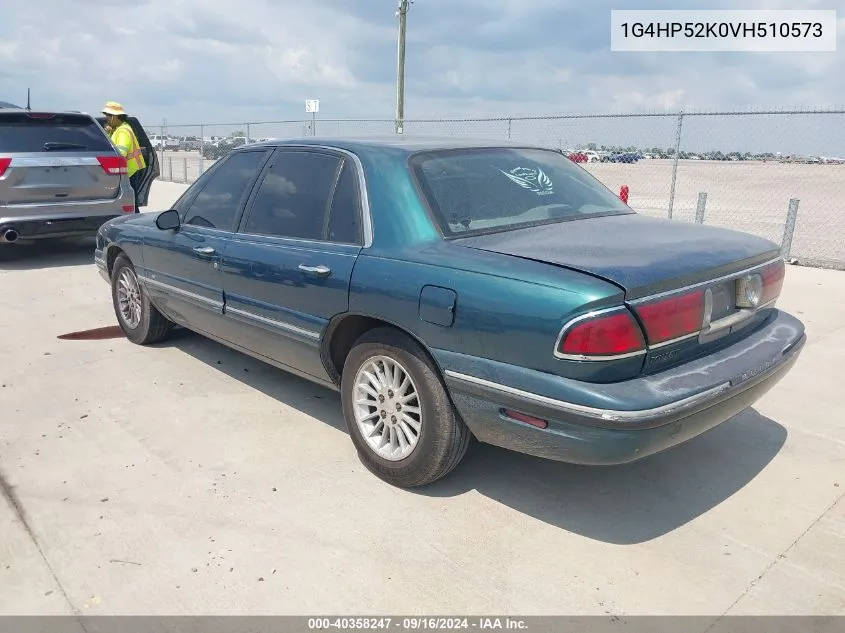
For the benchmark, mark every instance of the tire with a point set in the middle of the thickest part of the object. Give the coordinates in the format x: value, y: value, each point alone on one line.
x: 145, y: 324
x: 442, y: 438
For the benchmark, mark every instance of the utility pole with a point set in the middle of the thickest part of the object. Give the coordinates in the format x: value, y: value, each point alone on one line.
x: 402, y: 14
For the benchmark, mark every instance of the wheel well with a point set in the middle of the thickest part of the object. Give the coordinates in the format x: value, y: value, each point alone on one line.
x: 342, y: 337
x: 111, y: 256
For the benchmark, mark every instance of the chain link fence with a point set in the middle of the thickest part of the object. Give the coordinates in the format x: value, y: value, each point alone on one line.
x: 779, y: 174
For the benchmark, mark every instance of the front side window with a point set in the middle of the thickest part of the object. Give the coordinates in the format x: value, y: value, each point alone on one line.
x: 494, y: 189
x: 219, y: 200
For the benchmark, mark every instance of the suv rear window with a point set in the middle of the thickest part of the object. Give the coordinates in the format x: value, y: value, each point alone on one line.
x: 482, y: 190
x: 24, y: 132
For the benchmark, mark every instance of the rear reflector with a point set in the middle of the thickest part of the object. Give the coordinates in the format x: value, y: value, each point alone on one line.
x: 609, y: 334
x: 4, y: 165
x: 527, y: 419
x: 113, y: 164
x: 128, y: 208
x: 674, y: 317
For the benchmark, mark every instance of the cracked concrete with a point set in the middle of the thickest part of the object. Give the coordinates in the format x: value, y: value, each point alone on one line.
x: 189, y: 479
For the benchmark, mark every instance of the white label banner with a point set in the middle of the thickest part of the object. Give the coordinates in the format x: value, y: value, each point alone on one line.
x: 766, y: 31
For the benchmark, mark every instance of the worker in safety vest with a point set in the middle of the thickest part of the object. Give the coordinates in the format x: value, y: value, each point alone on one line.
x: 123, y: 137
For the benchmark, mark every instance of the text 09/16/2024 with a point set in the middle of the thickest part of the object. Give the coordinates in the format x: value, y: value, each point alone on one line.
x: 708, y: 31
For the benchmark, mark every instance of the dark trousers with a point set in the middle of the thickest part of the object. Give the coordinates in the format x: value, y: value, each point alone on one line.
x: 135, y: 183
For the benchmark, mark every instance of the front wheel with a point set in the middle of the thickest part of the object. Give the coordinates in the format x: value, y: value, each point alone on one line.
x: 138, y: 318
x: 398, y: 413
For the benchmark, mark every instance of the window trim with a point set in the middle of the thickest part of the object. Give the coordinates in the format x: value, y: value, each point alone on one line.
x: 248, y: 191
x: 344, y: 157
x: 436, y: 217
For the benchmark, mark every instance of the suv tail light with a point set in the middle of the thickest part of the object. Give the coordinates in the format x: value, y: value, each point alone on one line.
x: 601, y: 335
x: 673, y: 317
x: 4, y: 165
x: 113, y: 164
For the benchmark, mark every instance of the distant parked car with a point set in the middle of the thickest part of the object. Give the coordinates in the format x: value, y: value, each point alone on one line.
x: 621, y: 157
x: 60, y: 175
x: 578, y: 157
x: 189, y: 144
x: 457, y: 289
x: 159, y: 142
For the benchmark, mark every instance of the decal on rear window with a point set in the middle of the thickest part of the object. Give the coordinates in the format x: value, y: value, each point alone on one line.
x: 532, y: 179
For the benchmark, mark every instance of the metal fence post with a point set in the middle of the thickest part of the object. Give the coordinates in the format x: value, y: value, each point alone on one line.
x: 675, y: 163
x: 247, y: 133
x: 510, y: 123
x: 789, y: 228
x: 699, y: 210
x: 161, y: 149
x: 202, y: 147
x: 184, y: 169
x: 170, y: 169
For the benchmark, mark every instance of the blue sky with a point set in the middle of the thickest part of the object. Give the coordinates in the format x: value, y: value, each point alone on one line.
x: 258, y: 60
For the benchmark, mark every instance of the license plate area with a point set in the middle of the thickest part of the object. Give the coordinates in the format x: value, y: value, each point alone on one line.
x: 54, y: 176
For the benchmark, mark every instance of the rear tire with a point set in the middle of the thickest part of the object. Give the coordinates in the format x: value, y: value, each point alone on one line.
x: 139, y: 319
x: 399, y: 415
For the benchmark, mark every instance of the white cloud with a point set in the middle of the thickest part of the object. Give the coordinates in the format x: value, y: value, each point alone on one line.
x: 212, y: 60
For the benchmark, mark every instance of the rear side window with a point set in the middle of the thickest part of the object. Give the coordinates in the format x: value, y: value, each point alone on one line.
x: 23, y: 132
x: 293, y: 199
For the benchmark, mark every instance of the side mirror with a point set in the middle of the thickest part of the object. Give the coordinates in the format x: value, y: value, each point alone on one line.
x: 168, y: 220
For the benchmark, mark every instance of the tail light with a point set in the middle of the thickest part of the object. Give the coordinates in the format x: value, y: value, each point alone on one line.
x: 601, y: 335
x: 673, y: 317
x: 773, y: 276
x: 41, y: 115
x: 113, y: 164
x: 4, y: 165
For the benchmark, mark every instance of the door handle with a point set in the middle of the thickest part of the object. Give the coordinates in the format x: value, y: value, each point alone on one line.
x: 322, y: 271
x: 204, y: 250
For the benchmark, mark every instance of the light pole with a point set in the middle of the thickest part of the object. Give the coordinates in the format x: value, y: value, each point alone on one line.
x: 402, y: 14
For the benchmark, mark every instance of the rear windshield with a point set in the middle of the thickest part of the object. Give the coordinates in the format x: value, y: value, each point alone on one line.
x: 492, y: 189
x: 21, y: 132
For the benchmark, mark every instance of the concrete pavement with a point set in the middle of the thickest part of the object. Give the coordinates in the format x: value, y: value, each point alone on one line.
x: 186, y: 478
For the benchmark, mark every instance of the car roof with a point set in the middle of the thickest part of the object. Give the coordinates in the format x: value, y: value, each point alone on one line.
x: 17, y: 110
x: 410, y: 144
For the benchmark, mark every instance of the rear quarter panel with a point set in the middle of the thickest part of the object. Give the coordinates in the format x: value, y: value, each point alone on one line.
x: 507, y: 310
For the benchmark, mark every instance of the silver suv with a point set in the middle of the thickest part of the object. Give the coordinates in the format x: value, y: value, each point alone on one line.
x: 60, y: 175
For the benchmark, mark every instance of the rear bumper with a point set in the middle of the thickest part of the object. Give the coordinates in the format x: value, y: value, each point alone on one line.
x: 603, y: 424
x: 36, y: 228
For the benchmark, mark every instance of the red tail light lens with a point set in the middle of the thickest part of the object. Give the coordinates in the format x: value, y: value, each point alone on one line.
x: 113, y: 164
x: 4, y: 165
x: 674, y: 317
x: 41, y: 115
x: 608, y: 334
x: 773, y: 276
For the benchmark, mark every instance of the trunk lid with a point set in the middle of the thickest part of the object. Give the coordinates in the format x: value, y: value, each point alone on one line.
x: 642, y: 255
x: 51, y: 178
x: 54, y: 158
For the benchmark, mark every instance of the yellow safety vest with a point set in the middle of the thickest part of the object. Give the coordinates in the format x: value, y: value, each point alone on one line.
x: 127, y: 144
